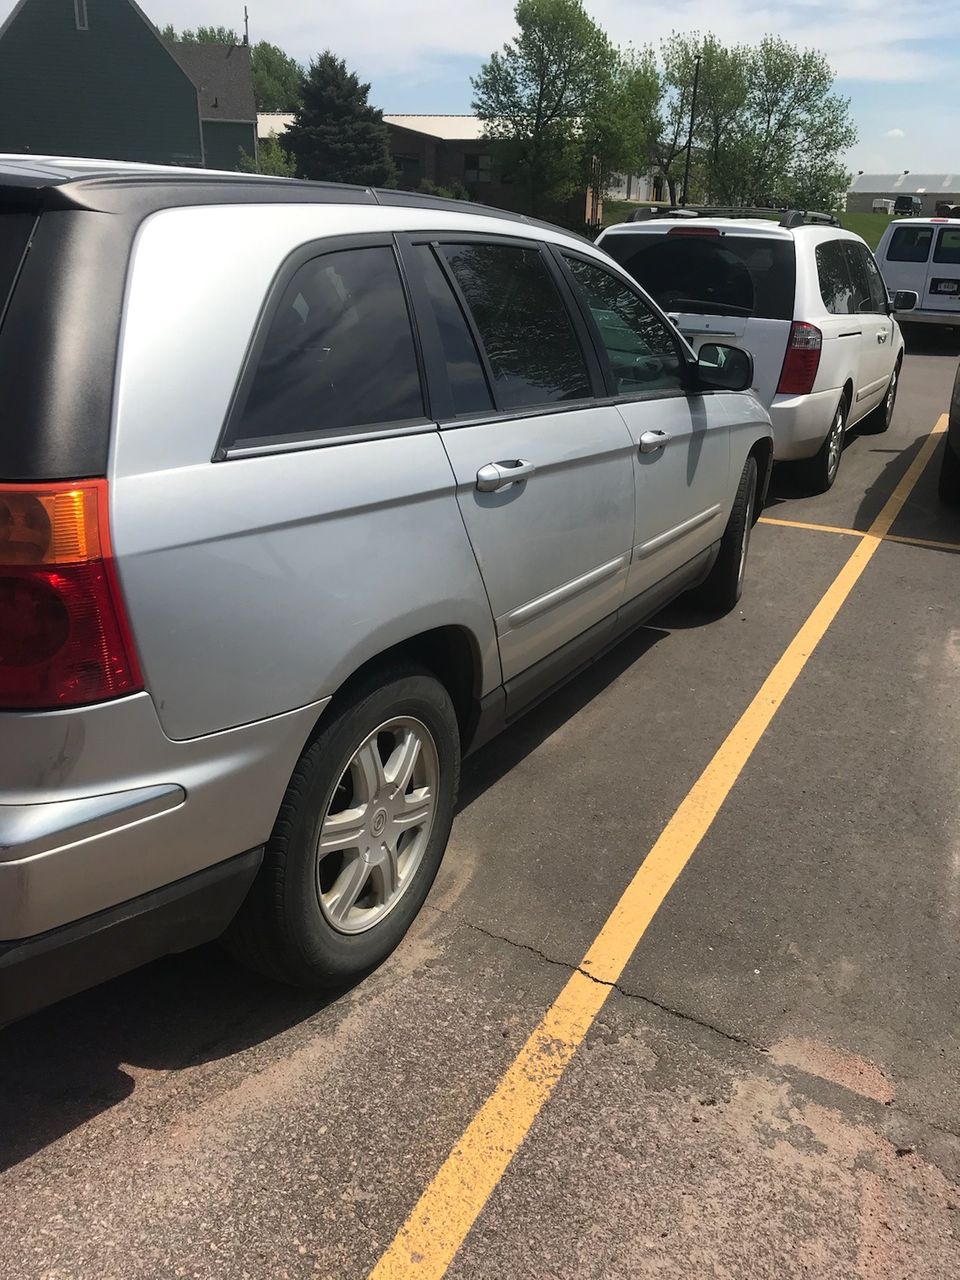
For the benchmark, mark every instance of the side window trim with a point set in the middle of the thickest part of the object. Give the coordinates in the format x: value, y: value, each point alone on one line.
x: 226, y: 448
x: 559, y: 254
x: 454, y: 284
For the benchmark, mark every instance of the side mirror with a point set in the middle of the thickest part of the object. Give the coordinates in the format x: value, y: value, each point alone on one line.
x: 723, y: 368
x: 905, y: 300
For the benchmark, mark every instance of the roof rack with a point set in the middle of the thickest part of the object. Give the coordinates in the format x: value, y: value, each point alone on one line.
x: 785, y: 217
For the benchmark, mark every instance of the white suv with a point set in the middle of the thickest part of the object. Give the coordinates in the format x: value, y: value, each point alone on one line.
x: 803, y: 296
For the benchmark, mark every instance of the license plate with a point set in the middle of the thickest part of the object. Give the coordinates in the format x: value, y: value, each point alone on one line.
x: 945, y: 286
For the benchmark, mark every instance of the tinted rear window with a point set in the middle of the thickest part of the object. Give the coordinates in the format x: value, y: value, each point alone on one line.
x: 712, y: 275
x: 948, y: 246
x: 910, y: 244
x: 15, y: 229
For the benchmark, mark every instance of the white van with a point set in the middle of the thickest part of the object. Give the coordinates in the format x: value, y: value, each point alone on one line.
x: 802, y: 295
x: 924, y: 255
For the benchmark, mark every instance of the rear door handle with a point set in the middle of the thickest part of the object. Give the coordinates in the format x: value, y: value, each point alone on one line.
x: 501, y: 475
x: 882, y: 336
x: 651, y: 441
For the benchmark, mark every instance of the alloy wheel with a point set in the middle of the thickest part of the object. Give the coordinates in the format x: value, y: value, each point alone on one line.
x: 376, y: 829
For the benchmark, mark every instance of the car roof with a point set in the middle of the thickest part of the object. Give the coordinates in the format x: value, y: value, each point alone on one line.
x: 123, y: 186
x: 764, y: 227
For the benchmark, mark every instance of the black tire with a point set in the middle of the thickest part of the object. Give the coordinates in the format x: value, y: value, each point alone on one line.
x: 281, y: 929
x: 949, y: 485
x: 879, y: 419
x: 819, y: 472
x: 723, y: 587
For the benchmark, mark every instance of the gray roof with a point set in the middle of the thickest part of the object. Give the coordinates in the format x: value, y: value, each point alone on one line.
x: 223, y: 78
x: 906, y: 184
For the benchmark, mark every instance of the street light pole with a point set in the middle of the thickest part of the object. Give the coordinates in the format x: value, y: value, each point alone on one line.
x: 693, y: 113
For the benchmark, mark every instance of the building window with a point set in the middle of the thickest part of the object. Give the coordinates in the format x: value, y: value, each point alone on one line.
x: 476, y: 167
x: 408, y: 170
x: 80, y: 13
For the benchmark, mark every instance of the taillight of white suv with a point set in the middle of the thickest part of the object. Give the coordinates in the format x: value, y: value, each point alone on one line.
x: 802, y: 360
x: 64, y: 635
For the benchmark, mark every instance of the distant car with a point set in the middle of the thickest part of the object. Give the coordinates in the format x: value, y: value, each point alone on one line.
x: 950, y: 466
x: 908, y: 206
x: 923, y: 255
x: 883, y: 206
x: 306, y: 490
x: 805, y: 297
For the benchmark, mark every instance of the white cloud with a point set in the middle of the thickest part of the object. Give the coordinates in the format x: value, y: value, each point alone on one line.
x: 864, y: 39
x: 895, y: 133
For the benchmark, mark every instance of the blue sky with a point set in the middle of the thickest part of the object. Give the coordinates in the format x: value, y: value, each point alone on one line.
x: 897, y: 60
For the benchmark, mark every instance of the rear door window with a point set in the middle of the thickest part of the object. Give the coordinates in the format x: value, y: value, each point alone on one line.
x: 836, y: 286
x: 338, y: 356
x: 910, y: 244
x: 15, y: 230
x: 708, y: 274
x: 466, y: 378
x: 523, y: 323
x: 948, y: 246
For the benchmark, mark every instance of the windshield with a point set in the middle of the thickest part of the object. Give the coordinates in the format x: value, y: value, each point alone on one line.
x: 15, y: 229
x: 736, y: 275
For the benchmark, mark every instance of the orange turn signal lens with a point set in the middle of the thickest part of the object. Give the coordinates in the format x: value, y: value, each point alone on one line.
x: 51, y: 523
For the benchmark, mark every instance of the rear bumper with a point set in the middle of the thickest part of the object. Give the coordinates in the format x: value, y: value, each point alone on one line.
x: 38, y: 971
x: 98, y: 807
x: 801, y: 423
x: 920, y: 316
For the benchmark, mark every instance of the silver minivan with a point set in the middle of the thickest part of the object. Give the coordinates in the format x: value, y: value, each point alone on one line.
x: 306, y: 491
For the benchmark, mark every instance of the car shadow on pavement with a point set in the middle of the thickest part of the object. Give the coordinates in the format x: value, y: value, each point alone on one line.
x: 63, y: 1066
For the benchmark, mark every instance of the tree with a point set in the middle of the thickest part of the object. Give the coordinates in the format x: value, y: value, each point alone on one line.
x: 620, y: 136
x: 337, y: 136
x: 202, y: 35
x: 271, y: 158
x: 277, y: 78
x: 678, y: 54
x: 800, y: 126
x: 541, y: 96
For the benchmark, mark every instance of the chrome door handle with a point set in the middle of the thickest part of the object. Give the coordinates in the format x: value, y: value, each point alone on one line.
x: 651, y: 441
x: 882, y: 336
x: 501, y: 475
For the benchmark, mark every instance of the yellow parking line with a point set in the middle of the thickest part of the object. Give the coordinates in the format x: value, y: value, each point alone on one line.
x: 817, y: 528
x: 429, y: 1239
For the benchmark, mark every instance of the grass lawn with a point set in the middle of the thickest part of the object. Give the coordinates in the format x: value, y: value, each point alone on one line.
x: 869, y: 225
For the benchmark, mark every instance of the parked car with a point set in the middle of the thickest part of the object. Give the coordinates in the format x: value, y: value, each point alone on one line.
x: 950, y: 463
x: 804, y: 297
x: 908, y: 207
x: 923, y: 256
x: 311, y: 490
x: 882, y: 206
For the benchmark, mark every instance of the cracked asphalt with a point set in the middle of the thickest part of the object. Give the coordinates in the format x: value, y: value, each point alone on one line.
x: 770, y: 1090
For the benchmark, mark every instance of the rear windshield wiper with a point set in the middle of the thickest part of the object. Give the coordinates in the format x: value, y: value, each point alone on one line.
x: 703, y: 307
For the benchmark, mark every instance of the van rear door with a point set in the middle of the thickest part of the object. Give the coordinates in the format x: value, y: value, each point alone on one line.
x: 904, y: 256
x: 721, y: 285
x: 942, y: 292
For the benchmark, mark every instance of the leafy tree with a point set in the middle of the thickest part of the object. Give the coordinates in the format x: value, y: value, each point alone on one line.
x: 203, y: 35
x: 769, y: 130
x: 337, y: 136
x: 271, y: 158
x: 620, y: 136
x: 277, y: 78
x: 541, y: 96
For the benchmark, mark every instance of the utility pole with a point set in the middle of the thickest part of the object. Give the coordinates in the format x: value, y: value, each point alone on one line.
x: 246, y: 26
x: 693, y: 115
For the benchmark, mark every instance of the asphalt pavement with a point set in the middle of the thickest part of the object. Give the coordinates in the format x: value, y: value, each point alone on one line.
x: 771, y: 1086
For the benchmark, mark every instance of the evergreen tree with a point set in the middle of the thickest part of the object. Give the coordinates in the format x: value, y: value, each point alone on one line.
x: 337, y: 136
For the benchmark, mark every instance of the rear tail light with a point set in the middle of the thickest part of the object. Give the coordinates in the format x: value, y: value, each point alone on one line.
x: 64, y: 637
x: 694, y: 231
x: 802, y: 360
